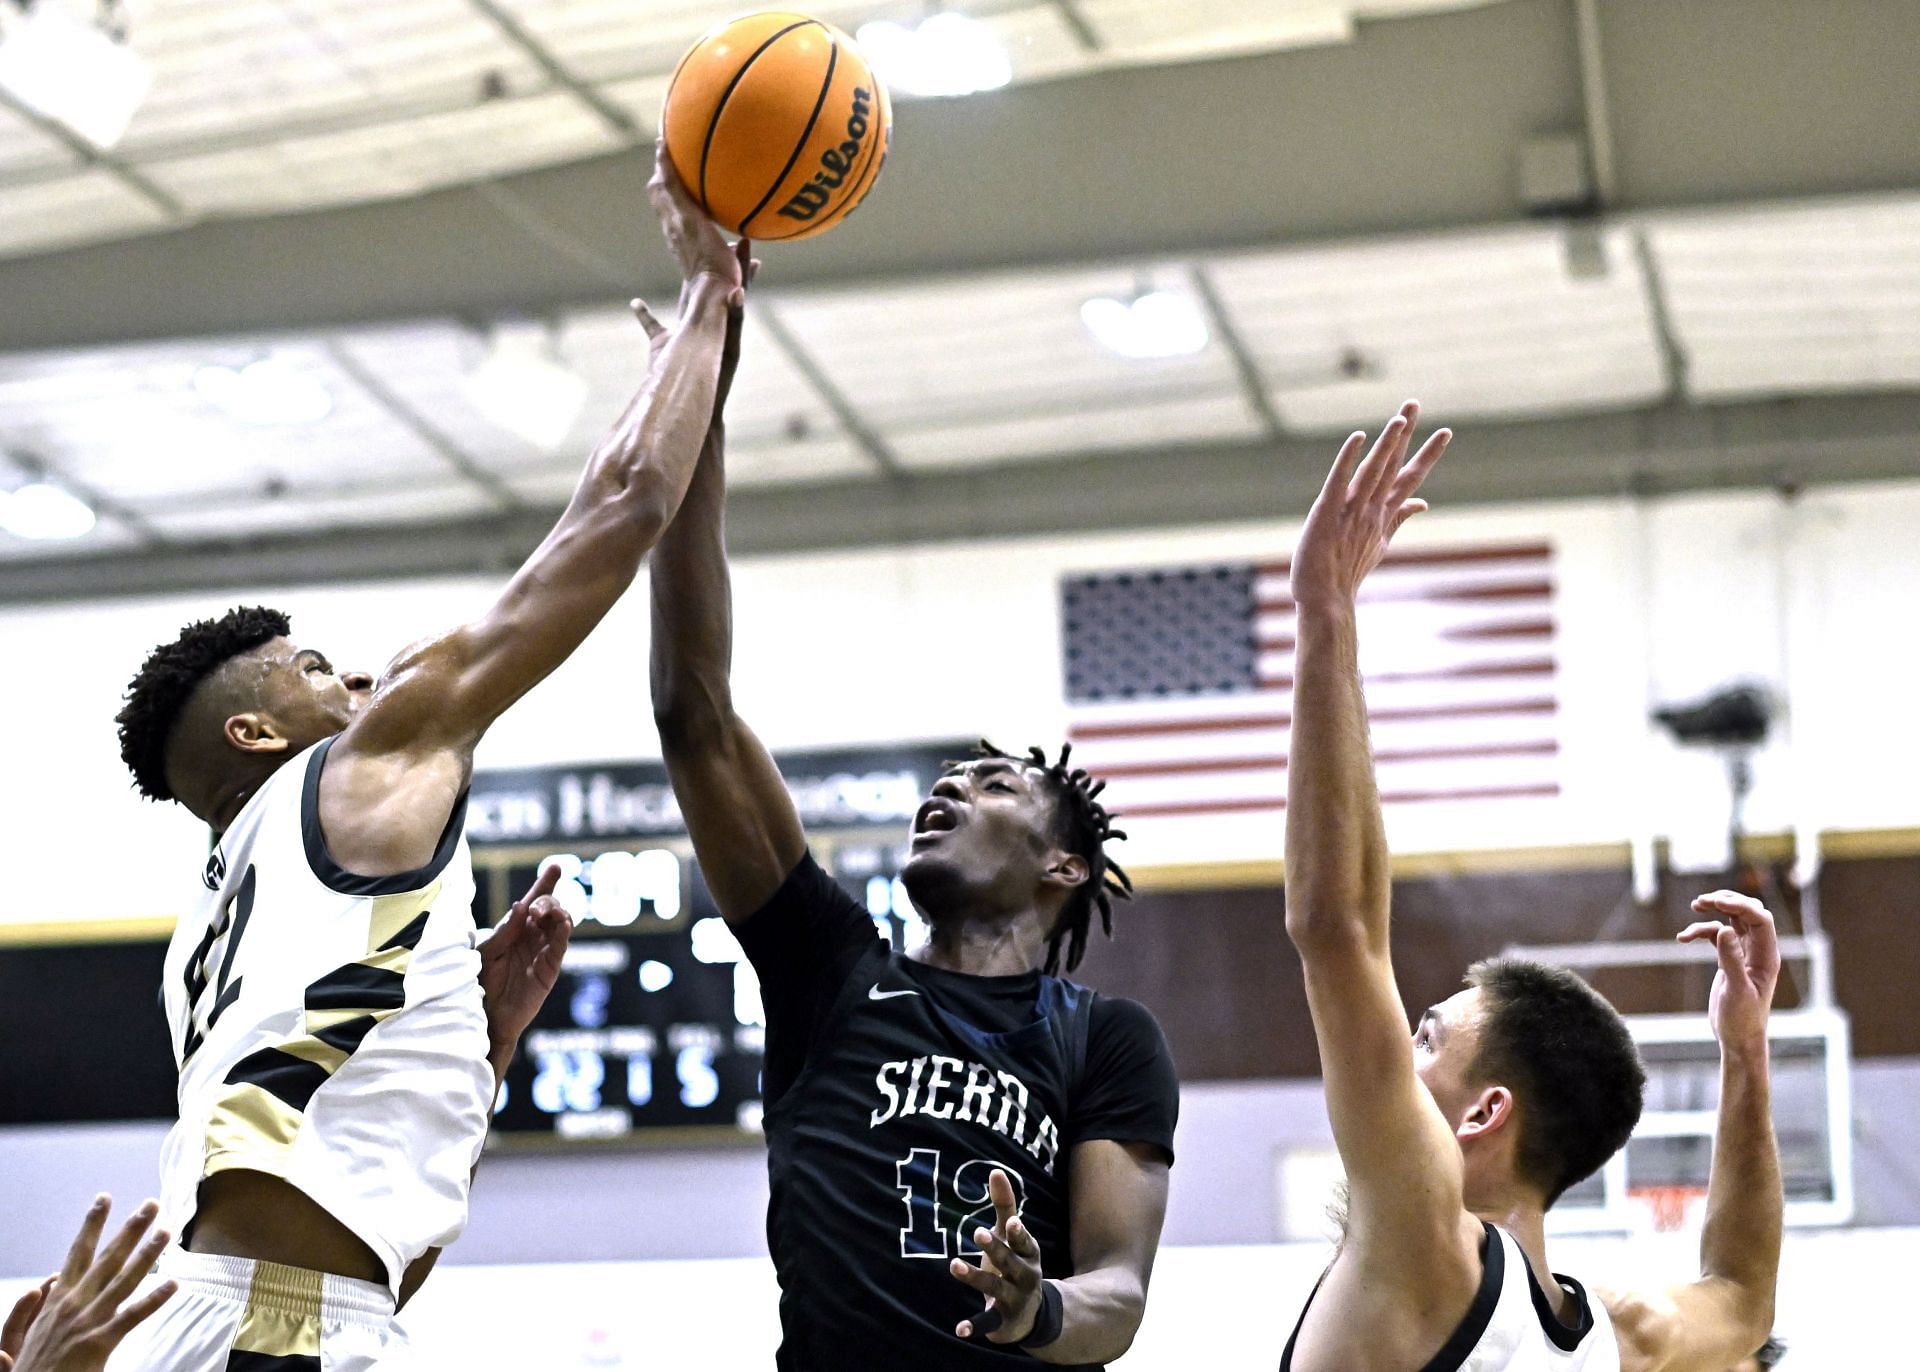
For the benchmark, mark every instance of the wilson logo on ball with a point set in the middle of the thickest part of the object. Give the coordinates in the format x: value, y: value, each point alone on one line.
x: 835, y: 164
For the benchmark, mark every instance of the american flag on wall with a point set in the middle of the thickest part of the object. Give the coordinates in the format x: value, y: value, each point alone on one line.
x: 1180, y: 680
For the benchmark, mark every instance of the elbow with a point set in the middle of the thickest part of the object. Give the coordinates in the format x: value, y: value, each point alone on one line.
x: 1319, y: 928
x: 690, y: 720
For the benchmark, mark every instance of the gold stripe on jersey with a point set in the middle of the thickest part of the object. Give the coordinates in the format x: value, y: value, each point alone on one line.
x: 256, y: 1119
x: 250, y: 1127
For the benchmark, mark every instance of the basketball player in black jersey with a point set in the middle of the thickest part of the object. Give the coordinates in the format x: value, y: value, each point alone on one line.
x: 969, y: 1155
x: 1514, y: 1088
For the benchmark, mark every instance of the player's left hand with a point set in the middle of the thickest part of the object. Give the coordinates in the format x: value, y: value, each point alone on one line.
x: 1749, y: 951
x: 520, y: 960
x: 1008, y: 1274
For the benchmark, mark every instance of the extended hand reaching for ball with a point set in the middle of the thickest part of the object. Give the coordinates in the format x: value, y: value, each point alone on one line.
x: 695, y: 240
x: 1008, y: 1274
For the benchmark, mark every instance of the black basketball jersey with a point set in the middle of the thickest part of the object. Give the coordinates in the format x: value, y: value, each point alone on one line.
x: 893, y: 1090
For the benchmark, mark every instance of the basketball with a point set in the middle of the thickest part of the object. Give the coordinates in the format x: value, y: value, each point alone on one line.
x: 777, y: 125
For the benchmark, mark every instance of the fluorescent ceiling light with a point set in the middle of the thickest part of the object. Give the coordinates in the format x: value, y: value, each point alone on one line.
x: 59, y: 65
x: 45, y: 513
x: 1155, y: 324
x: 266, y: 391
x: 944, y: 54
x: 522, y: 389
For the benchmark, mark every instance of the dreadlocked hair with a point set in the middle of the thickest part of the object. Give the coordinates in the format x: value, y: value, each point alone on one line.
x: 1083, y: 826
x: 160, y: 691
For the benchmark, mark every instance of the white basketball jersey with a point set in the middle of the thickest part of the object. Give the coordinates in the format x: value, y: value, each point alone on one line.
x: 1511, y: 1327
x: 329, y: 1028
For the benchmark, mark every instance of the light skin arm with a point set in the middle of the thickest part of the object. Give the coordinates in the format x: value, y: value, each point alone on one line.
x: 1715, y: 1322
x: 1412, y: 1252
x: 1116, y: 1203
x: 745, y: 830
x: 393, y: 776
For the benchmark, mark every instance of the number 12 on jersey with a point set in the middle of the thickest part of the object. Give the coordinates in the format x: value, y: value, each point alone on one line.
x: 918, y: 1177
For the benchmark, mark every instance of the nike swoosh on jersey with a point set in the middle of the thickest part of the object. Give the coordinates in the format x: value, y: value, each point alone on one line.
x: 875, y: 993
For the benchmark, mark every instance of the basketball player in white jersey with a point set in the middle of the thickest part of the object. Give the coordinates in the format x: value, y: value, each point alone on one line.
x: 1513, y: 1089
x: 336, y: 1066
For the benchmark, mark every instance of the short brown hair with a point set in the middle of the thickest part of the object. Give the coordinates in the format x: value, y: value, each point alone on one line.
x: 1570, y: 1061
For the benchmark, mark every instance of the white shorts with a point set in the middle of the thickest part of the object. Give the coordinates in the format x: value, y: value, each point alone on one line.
x: 239, y: 1315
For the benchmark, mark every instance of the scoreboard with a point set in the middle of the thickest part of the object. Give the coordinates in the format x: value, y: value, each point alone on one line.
x: 656, y: 1028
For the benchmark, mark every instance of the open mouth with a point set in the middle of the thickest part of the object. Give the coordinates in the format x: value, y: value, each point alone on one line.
x: 938, y: 816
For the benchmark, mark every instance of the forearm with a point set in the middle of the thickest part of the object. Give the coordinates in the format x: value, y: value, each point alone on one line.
x: 1100, y: 1313
x: 1336, y: 850
x: 647, y: 458
x: 1745, y: 1201
x: 692, y: 603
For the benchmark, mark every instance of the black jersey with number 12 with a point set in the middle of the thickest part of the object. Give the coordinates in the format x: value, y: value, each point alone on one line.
x: 893, y: 1089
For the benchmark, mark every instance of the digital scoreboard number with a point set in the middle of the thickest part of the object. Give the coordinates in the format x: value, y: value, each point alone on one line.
x: 656, y: 1028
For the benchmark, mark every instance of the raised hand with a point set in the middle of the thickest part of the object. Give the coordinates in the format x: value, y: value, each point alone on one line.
x: 1358, y: 512
x: 695, y: 240
x: 1008, y: 1274
x: 520, y: 961
x: 658, y: 333
x: 73, y: 1321
x: 1749, y: 951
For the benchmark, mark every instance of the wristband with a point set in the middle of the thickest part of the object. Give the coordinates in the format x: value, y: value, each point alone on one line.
x: 1052, y: 1318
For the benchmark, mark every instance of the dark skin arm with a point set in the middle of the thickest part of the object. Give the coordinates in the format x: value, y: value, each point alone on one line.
x: 745, y: 830
x: 394, y: 775
x: 1116, y: 1204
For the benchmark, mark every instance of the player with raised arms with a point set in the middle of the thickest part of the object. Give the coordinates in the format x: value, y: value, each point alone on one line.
x: 969, y: 1154
x: 339, y: 1037
x: 1513, y: 1089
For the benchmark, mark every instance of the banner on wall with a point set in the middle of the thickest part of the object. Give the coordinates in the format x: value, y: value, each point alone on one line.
x: 843, y: 789
x: 1179, y: 680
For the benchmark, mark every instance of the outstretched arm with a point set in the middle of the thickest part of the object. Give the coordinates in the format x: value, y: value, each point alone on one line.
x: 1403, y: 1166
x: 745, y: 830
x: 1715, y: 1322
x: 435, y: 700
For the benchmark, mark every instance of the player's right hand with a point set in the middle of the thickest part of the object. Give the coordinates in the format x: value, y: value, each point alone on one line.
x: 74, y: 1321
x: 1359, y: 509
x: 695, y: 240
x: 1749, y: 952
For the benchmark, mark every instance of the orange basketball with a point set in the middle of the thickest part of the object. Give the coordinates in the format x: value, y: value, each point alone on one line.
x: 777, y: 125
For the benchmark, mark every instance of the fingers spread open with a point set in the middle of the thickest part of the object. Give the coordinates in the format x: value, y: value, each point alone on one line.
x: 134, y: 1272
x: 139, y: 1310
x: 80, y: 1256
x: 1000, y: 1188
x: 115, y: 1256
x: 1411, y: 475
x: 1342, y: 471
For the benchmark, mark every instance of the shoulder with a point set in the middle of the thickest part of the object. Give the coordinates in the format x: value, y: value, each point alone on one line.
x: 1644, y: 1326
x: 1117, y: 1019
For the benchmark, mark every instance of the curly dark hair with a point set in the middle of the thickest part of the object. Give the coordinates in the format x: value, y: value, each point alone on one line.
x: 1081, y: 825
x: 167, y: 679
x: 1570, y: 1061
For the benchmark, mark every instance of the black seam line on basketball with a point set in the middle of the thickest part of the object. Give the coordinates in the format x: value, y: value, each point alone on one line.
x: 820, y: 103
x: 713, y: 120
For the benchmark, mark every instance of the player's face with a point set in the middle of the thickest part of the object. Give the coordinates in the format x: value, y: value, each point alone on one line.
x: 307, y: 698
x: 983, y: 838
x: 1445, y: 1041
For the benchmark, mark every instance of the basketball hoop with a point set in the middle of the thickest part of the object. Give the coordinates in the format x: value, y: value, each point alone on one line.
x: 1668, y: 1209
